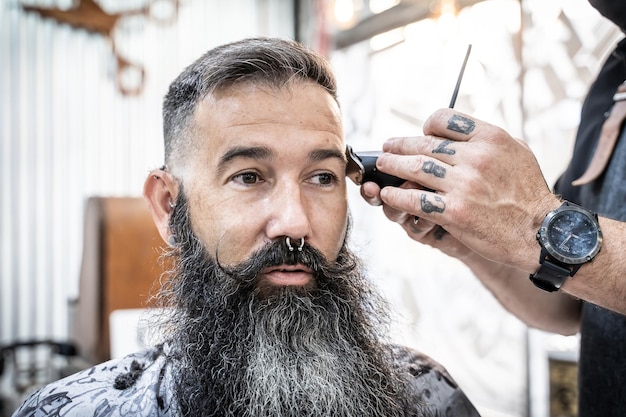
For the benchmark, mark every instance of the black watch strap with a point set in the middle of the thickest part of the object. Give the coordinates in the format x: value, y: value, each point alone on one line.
x: 550, y: 275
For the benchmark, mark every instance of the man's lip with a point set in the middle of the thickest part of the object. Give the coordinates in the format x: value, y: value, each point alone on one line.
x: 288, y: 275
x: 288, y: 268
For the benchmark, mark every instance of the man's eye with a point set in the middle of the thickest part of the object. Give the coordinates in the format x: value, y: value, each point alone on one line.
x: 247, y: 178
x: 325, y: 178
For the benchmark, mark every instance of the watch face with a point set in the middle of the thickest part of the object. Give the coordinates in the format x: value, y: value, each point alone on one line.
x: 572, y: 236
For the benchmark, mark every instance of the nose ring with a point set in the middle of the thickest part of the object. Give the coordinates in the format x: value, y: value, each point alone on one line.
x: 290, y: 247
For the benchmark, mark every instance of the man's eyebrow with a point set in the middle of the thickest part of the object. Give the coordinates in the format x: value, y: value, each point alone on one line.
x: 261, y: 152
x: 251, y: 152
x: 323, y: 154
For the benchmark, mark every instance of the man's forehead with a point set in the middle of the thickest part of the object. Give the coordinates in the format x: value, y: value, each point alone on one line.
x: 250, y: 114
x: 243, y: 103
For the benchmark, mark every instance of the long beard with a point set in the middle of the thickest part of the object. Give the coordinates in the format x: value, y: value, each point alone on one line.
x: 243, y: 349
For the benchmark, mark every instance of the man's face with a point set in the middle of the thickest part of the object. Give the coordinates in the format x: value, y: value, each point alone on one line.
x: 257, y: 329
x: 267, y: 164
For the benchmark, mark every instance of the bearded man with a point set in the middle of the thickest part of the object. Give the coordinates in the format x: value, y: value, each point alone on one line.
x: 268, y: 311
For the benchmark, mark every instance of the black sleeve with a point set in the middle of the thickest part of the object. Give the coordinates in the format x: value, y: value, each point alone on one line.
x: 598, y: 102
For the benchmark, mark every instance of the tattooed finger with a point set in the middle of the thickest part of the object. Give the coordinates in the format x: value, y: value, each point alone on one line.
x: 461, y: 124
x: 445, y: 148
x: 428, y: 206
x: 431, y: 167
x: 439, y: 232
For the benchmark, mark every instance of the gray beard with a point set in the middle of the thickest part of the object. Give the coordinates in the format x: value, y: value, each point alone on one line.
x: 302, y: 364
x: 243, y: 349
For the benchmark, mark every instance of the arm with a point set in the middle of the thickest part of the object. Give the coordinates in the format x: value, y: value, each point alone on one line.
x: 555, y: 312
x: 601, y: 282
x: 490, y: 198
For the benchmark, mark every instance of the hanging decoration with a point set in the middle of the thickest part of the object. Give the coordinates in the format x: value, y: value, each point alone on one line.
x: 88, y: 15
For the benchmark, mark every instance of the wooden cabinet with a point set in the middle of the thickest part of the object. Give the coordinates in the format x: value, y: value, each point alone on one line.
x: 120, y: 269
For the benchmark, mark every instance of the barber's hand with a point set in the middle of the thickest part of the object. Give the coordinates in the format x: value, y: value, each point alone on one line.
x: 489, y: 192
x: 417, y: 228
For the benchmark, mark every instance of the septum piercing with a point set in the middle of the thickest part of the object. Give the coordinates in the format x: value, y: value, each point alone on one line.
x: 291, y: 248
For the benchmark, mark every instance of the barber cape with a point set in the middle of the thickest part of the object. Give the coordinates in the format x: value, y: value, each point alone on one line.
x: 140, y: 385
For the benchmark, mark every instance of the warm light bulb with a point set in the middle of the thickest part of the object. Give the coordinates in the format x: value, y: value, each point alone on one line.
x: 447, y: 7
x: 344, y: 11
x: 447, y: 20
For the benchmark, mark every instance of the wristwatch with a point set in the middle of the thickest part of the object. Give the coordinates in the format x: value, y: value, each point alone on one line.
x: 569, y: 236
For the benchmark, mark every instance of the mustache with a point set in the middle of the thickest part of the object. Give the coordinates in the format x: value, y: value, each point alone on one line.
x: 276, y: 253
x: 191, y: 258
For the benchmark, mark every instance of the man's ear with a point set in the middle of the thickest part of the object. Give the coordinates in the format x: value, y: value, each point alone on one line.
x: 160, y: 191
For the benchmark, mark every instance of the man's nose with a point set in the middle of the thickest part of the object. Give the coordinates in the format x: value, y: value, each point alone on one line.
x: 289, y: 213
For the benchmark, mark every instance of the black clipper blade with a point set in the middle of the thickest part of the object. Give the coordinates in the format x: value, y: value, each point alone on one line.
x: 361, y: 168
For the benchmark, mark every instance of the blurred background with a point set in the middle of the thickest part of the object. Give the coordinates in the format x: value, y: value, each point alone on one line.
x: 81, y: 86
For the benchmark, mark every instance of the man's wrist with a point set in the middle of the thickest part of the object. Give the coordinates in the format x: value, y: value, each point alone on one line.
x: 545, y: 206
x: 569, y: 236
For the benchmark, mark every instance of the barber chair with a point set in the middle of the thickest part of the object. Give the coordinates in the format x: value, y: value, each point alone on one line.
x: 25, y: 366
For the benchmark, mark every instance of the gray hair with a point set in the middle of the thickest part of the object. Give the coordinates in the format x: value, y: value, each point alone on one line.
x: 270, y: 62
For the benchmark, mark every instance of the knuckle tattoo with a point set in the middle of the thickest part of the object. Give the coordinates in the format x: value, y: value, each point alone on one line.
x: 443, y: 148
x: 431, y: 167
x: 439, y: 232
x: 438, y: 206
x: 461, y: 124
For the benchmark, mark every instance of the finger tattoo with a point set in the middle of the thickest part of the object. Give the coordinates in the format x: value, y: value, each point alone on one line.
x: 443, y: 148
x: 429, y: 207
x: 461, y: 124
x: 439, y: 233
x: 430, y: 167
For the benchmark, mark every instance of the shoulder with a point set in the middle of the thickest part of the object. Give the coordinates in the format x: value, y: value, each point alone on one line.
x: 132, y: 385
x: 430, y: 384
